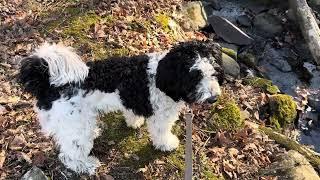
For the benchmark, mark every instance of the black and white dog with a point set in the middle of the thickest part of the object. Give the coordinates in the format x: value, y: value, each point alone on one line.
x: 155, y: 87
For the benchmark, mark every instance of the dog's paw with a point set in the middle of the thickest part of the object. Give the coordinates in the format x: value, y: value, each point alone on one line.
x: 92, y: 164
x: 169, y: 142
x: 135, y: 123
x: 97, y: 132
x: 87, y: 165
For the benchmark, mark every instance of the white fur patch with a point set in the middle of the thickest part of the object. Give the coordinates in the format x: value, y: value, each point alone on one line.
x: 65, y: 66
x: 209, y: 85
x: 72, y: 123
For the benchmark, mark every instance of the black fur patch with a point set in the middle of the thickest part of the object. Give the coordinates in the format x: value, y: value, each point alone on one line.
x: 128, y: 75
x: 173, y: 72
x: 34, y: 76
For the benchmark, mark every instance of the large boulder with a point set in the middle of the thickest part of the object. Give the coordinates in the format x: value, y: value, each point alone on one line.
x: 193, y: 16
x: 291, y: 165
x: 228, y: 31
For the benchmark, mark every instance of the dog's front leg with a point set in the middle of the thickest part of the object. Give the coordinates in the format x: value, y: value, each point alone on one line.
x: 160, y: 125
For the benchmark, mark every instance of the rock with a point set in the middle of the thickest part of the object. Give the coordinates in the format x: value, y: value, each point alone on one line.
x: 258, y: 8
x: 230, y: 66
x: 229, y: 49
x: 291, y: 16
x: 244, y: 20
x: 34, y: 174
x: 277, y: 58
x: 230, y: 52
x: 315, y: 2
x: 269, y: 25
x: 194, y: 15
x: 292, y: 165
x: 228, y: 31
x: 283, y: 110
x: 215, y: 4
x: 314, y: 101
x: 248, y: 59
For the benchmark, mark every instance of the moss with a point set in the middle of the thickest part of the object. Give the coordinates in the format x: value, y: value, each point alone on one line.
x: 78, y: 26
x: 264, y: 84
x: 225, y: 114
x: 230, y: 52
x: 135, y: 146
x: 248, y: 59
x: 176, y: 159
x: 283, y: 110
x: 292, y: 145
x: 164, y: 21
x: 206, y: 169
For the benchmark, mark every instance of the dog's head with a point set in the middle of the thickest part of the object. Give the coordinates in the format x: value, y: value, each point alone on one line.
x: 191, y: 72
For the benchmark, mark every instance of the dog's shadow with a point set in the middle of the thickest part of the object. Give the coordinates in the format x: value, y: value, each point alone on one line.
x: 121, y: 147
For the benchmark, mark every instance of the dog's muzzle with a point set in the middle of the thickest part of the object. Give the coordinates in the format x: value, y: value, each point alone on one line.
x: 211, y: 99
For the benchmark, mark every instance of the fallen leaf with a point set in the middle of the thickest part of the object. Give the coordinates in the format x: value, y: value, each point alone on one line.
x: 2, y: 158
x: 39, y: 159
x: 18, y: 142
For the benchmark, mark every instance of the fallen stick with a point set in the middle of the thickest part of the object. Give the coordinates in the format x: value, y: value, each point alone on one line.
x: 289, y: 144
x: 308, y: 26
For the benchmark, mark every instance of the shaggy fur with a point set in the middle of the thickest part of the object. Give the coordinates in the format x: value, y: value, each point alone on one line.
x: 155, y: 87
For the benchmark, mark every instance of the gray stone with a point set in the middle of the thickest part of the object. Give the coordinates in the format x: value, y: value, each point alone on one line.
x: 257, y: 8
x: 230, y: 66
x: 34, y: 174
x: 314, y: 101
x: 274, y: 65
x: 244, y: 20
x: 267, y: 25
x: 228, y: 31
x: 215, y: 4
x: 276, y: 58
x: 291, y: 165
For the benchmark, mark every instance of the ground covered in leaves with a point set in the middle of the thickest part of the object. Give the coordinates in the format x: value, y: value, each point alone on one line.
x: 98, y: 29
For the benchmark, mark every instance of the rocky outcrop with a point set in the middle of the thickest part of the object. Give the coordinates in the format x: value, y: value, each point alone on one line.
x: 292, y: 165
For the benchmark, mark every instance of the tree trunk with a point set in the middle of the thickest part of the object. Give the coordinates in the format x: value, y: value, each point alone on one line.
x: 308, y: 26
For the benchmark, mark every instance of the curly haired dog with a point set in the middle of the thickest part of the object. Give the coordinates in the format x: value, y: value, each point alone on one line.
x: 153, y: 87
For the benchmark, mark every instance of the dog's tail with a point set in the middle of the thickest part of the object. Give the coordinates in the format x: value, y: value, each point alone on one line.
x: 51, y: 65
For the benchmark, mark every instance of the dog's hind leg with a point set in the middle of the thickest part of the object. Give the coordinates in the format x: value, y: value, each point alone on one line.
x: 133, y: 120
x: 73, y: 128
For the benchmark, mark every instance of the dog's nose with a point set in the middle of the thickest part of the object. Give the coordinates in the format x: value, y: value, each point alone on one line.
x: 211, y: 99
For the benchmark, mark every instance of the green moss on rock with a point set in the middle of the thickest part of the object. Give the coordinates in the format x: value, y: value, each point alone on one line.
x: 230, y: 52
x: 225, y: 114
x: 283, y: 110
x: 264, y: 84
